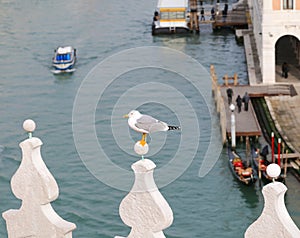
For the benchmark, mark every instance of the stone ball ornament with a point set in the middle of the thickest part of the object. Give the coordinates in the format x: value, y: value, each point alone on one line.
x: 141, y: 148
x: 273, y: 170
x: 29, y: 125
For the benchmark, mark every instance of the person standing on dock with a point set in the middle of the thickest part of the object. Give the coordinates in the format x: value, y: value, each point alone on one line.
x: 156, y: 16
x: 213, y: 14
x: 229, y: 92
x: 224, y: 12
x: 285, y: 70
x: 194, y: 18
x: 202, y: 14
x: 239, y: 103
x: 246, y: 100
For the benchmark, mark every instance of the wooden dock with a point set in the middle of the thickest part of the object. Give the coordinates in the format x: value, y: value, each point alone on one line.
x: 246, y: 122
x: 234, y: 19
x: 237, y: 17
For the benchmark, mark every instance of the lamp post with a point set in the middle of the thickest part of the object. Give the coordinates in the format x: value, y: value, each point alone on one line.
x: 232, y: 107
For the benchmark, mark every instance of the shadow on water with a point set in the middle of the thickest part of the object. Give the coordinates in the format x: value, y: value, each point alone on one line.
x: 251, y: 195
x: 172, y: 37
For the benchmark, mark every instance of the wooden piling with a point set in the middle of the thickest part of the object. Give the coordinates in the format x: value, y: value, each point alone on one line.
x: 219, y: 101
x: 235, y: 78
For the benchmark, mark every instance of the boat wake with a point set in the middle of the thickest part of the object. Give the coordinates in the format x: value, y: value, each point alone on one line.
x: 57, y: 71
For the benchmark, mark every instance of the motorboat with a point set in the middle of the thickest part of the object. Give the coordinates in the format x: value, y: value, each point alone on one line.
x: 171, y: 16
x: 64, y: 59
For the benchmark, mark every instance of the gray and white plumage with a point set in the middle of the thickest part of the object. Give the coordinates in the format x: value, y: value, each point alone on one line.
x: 147, y: 124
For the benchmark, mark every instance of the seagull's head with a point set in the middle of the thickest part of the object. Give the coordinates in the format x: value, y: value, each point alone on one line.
x: 133, y: 114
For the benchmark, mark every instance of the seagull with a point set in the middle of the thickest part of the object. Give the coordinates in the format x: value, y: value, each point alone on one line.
x: 146, y: 124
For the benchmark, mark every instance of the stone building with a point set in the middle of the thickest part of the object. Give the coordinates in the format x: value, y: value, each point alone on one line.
x: 276, y: 28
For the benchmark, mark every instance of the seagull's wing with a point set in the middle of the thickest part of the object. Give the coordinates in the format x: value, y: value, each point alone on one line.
x: 151, y: 124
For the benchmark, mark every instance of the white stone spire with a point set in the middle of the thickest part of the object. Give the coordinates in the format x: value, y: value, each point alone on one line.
x: 36, y: 187
x: 144, y: 209
x: 275, y: 220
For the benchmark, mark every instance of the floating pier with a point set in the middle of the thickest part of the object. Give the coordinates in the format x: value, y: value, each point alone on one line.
x: 246, y: 121
x: 186, y: 17
x: 234, y: 19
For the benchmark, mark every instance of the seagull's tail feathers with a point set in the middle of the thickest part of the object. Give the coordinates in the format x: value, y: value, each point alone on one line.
x: 172, y: 128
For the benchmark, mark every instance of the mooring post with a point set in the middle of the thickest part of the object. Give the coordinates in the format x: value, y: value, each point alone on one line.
x: 226, y: 79
x: 235, y: 77
x: 278, y: 151
x: 272, y: 146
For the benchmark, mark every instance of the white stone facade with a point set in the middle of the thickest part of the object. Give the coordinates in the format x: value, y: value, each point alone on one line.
x: 271, y: 21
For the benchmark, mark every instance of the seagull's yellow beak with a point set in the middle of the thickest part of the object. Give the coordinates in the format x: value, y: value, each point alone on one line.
x: 126, y: 116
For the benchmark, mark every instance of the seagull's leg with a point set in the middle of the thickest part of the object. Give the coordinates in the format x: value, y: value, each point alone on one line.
x: 143, y: 140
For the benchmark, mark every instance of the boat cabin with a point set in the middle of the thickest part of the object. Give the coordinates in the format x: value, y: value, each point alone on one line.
x: 64, y: 59
x: 171, y: 17
x: 64, y: 53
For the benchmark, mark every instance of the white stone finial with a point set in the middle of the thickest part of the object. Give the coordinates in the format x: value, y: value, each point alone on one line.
x: 273, y: 171
x: 36, y: 187
x: 29, y: 126
x: 141, y: 149
x: 144, y: 209
x: 275, y: 220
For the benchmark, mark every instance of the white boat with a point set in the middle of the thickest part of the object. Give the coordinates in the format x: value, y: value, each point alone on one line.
x: 64, y: 59
x: 171, y: 16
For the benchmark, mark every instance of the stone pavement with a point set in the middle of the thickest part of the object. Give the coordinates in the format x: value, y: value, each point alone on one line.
x: 285, y: 111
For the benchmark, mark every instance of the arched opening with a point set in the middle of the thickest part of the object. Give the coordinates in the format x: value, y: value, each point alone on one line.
x: 287, y: 50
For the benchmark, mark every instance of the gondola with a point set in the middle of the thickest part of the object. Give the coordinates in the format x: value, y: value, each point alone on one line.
x: 241, y: 171
x: 260, y: 166
x: 260, y: 163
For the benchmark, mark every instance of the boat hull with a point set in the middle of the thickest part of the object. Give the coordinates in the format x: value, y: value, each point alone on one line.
x: 264, y: 176
x: 170, y: 30
x: 63, y: 66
